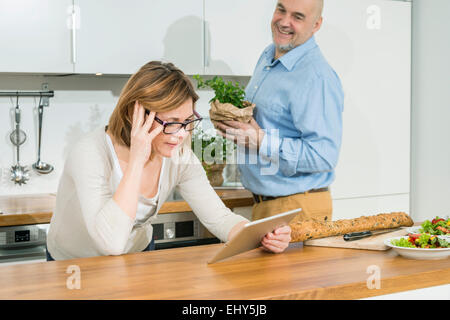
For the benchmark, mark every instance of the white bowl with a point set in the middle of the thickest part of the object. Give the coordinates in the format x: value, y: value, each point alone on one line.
x: 419, y: 253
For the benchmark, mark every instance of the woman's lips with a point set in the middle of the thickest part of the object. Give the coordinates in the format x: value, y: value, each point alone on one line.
x: 172, y: 145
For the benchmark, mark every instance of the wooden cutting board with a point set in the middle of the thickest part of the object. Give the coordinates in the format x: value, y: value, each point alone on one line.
x: 370, y: 243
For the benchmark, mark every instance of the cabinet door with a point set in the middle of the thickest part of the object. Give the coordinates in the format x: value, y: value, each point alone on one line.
x: 35, y: 36
x: 236, y: 33
x: 368, y: 43
x: 118, y: 37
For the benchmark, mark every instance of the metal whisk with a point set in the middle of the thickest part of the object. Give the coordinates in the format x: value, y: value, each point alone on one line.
x: 19, y: 174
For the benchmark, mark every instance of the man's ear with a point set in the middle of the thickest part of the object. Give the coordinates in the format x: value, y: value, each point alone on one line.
x: 317, y: 25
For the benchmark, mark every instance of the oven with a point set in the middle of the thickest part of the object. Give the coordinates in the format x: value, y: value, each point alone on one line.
x: 182, y: 229
x: 23, y: 244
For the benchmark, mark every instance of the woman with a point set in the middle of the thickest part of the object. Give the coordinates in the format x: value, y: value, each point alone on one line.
x: 116, y: 178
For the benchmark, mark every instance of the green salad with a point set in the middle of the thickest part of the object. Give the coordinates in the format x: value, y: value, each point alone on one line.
x: 424, y: 241
x: 437, y: 226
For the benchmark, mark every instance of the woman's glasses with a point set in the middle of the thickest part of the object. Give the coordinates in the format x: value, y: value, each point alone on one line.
x: 174, y: 127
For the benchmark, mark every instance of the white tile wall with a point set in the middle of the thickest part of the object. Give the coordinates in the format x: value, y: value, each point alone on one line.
x: 80, y: 104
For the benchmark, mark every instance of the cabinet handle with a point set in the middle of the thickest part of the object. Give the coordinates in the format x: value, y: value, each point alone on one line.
x: 74, y: 39
x: 205, y: 44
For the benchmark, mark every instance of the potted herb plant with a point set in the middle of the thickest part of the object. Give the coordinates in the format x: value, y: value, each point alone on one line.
x: 229, y: 101
x: 212, y: 151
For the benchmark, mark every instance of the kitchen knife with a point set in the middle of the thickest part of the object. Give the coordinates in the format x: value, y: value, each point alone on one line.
x: 364, y: 234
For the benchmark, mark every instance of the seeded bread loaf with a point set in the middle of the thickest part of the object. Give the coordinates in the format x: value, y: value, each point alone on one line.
x: 315, y: 229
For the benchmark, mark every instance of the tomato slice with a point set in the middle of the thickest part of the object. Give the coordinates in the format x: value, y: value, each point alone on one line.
x: 443, y: 229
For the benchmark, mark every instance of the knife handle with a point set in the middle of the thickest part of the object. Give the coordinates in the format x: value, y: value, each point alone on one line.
x: 356, y: 235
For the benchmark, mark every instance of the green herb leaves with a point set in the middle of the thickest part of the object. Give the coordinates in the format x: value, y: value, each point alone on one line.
x: 225, y: 92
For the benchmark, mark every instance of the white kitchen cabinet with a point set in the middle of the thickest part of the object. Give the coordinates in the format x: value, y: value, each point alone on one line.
x: 118, y: 37
x: 35, y: 36
x: 368, y: 43
x: 236, y: 33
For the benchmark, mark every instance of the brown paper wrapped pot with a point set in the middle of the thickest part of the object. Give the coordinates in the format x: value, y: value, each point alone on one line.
x: 226, y: 111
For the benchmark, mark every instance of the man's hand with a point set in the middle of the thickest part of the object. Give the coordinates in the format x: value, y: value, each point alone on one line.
x: 278, y: 240
x: 249, y: 134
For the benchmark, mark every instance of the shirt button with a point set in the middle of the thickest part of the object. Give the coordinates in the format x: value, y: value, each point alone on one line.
x: 256, y: 87
x: 267, y: 68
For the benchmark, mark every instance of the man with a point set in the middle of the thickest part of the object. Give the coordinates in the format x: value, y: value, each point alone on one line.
x: 297, y: 125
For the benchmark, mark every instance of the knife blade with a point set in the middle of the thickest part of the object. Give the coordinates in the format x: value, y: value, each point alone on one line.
x: 364, y: 234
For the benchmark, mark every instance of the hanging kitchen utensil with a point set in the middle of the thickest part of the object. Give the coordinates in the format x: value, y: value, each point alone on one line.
x: 19, y: 174
x: 39, y: 166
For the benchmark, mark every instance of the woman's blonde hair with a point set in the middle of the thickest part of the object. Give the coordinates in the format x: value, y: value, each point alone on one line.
x: 158, y: 87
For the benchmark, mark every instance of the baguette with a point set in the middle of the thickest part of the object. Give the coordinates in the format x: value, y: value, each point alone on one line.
x: 315, y: 229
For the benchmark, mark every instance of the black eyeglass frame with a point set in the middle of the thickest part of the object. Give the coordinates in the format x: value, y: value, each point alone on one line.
x: 183, y: 124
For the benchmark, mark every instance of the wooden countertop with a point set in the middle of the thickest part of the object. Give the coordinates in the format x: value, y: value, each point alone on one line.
x: 35, y: 209
x: 182, y: 273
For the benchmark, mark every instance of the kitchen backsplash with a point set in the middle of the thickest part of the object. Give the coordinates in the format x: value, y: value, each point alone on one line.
x: 81, y: 103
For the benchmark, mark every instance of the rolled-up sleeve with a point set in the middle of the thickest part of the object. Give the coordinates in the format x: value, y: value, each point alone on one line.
x: 196, y: 190
x: 107, y: 224
x: 320, y: 127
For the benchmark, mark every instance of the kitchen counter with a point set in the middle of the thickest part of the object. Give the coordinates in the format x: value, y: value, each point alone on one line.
x: 36, y: 209
x: 182, y: 273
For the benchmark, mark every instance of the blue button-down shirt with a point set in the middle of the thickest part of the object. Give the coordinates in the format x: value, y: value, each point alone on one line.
x: 299, y: 104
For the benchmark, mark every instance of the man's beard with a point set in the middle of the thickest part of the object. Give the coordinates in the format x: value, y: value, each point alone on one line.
x: 284, y: 47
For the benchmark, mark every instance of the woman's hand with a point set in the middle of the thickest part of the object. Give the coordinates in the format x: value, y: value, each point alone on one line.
x: 141, y: 136
x: 126, y: 195
x: 278, y: 240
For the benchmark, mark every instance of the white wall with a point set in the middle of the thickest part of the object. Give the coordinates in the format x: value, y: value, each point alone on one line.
x: 430, y: 148
x: 81, y: 104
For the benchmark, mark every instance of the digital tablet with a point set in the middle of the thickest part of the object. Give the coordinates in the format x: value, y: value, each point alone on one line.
x: 250, y: 236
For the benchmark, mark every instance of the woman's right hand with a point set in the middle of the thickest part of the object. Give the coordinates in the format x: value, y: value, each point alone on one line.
x: 141, y: 136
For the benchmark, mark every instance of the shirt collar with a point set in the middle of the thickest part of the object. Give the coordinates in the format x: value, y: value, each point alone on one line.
x: 289, y: 59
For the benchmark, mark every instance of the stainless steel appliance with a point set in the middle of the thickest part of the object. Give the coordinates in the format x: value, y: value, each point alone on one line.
x: 21, y: 244
x: 172, y: 230
x: 20, y: 236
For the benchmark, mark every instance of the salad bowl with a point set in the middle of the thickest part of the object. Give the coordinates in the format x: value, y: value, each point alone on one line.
x: 418, y: 253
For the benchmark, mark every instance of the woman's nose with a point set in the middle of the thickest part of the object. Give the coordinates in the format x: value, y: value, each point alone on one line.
x: 181, y: 134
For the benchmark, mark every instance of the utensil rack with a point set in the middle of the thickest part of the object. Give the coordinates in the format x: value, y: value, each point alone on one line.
x: 45, y: 94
